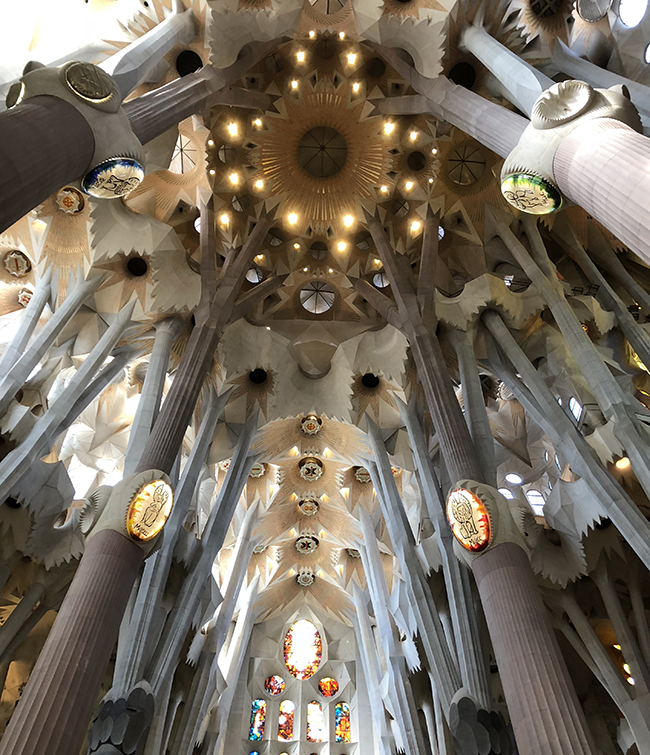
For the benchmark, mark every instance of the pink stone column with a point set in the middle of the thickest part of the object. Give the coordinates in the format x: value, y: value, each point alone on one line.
x: 546, y: 715
x: 604, y: 166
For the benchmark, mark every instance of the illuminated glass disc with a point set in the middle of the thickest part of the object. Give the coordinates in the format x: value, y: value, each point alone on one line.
x: 328, y: 687
x: 274, y: 685
x: 469, y: 520
x: 148, y: 510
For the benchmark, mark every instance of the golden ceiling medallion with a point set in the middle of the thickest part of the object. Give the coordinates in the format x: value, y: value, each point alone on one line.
x: 149, y: 509
x: 89, y: 82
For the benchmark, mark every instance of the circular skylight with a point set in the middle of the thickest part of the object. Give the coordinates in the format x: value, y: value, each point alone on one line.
x: 317, y: 297
x: 506, y: 493
x: 513, y: 478
x: 380, y: 280
x: 254, y: 275
x: 631, y: 12
x: 441, y: 233
x: 197, y: 224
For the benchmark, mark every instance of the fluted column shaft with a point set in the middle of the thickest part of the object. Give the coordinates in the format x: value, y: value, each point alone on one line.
x: 604, y: 166
x: 544, y: 708
x: 53, y: 713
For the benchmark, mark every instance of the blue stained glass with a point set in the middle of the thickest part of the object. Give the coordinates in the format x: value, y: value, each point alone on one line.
x: 342, y: 722
x: 258, y: 719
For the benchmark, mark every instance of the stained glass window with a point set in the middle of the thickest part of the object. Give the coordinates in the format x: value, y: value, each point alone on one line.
x: 328, y: 687
x: 285, y: 721
x: 303, y: 649
x: 258, y: 717
x: 274, y: 685
x: 342, y: 722
x: 315, y: 722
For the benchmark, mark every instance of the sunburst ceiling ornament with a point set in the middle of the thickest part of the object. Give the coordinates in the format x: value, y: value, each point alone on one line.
x: 308, y: 506
x: 310, y: 468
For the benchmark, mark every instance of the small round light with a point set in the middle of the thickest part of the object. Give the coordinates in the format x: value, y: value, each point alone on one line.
x: 413, y: 135
x: 259, y: 257
x: 513, y: 478
x: 352, y: 58
x: 356, y: 86
x: 431, y: 180
x: 341, y: 246
x: 434, y: 151
x: 348, y: 220
x: 257, y: 123
x: 384, y: 189
x: 341, y: 35
x: 294, y: 84
x: 224, y: 219
x: 312, y: 34
x: 623, y: 463
x: 259, y: 184
x: 305, y: 269
x: 376, y: 262
x: 415, y: 226
x: 300, y: 56
x: 210, y: 143
x: 212, y: 171
x: 630, y: 680
x: 292, y: 217
x: 330, y: 271
x: 232, y: 129
x: 296, y: 245
x: 234, y: 179
x: 408, y: 185
x: 389, y: 128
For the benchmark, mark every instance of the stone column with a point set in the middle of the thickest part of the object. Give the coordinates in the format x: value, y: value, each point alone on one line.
x: 545, y: 712
x: 152, y: 389
x: 521, y: 83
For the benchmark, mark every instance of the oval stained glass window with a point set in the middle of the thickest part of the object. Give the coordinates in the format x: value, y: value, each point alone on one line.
x: 258, y: 719
x: 315, y: 722
x: 285, y: 721
x: 342, y: 722
x: 274, y: 685
x: 303, y: 649
x: 328, y: 687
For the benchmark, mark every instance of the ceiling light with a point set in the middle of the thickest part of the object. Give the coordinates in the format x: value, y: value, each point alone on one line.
x: 415, y: 226
x: 434, y: 151
x: 305, y: 269
x: 312, y: 34
x: 292, y: 217
x: 341, y: 35
x: 348, y: 220
x: 259, y: 257
x: 232, y: 129
x: 626, y: 668
x: 513, y: 478
x: 330, y: 271
x: 376, y: 261
x: 294, y: 84
x: 352, y: 58
x: 212, y: 171
x: 197, y: 224
x: 431, y: 180
x: 631, y: 681
x: 616, y: 647
x: 623, y: 463
x: 389, y: 127
x: 413, y: 135
x: 259, y: 184
x: 296, y: 245
x: 408, y: 185
x: 234, y: 179
x: 384, y: 189
x: 224, y: 219
x: 268, y: 327
x: 300, y: 56
x: 210, y: 143
x: 341, y: 246
x: 356, y: 86
x: 257, y: 122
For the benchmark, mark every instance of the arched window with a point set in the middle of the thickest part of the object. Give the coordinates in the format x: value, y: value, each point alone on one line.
x: 258, y: 718
x: 303, y: 649
x: 315, y: 722
x: 342, y: 722
x: 285, y: 721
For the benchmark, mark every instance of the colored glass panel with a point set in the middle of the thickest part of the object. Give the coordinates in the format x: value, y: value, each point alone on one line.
x: 285, y: 721
x: 303, y: 649
x: 258, y: 718
x: 469, y: 519
x: 328, y: 687
x: 274, y: 685
x: 315, y: 722
x: 342, y: 722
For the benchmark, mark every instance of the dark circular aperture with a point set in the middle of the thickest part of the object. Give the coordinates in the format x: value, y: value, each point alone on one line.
x: 318, y: 250
x: 370, y: 380
x: 257, y: 376
x: 137, y: 266
x: 463, y: 74
x: 375, y: 68
x: 322, y: 152
x: 187, y: 62
x: 416, y: 161
x: 12, y: 502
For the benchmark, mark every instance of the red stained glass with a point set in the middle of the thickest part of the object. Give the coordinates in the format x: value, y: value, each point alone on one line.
x: 274, y: 685
x: 303, y: 649
x: 285, y: 721
x: 328, y: 687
